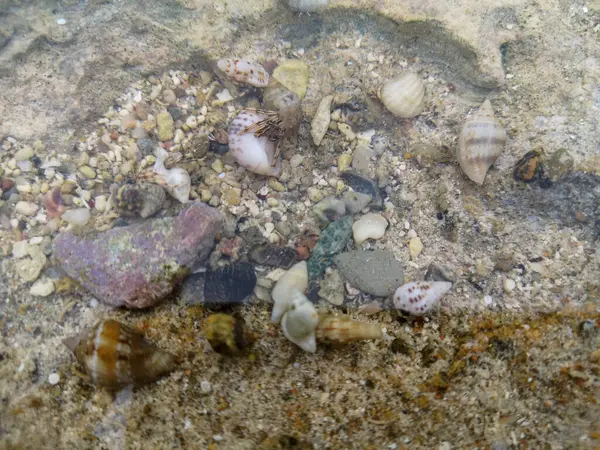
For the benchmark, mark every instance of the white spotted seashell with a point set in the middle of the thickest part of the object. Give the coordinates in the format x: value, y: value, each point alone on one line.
x: 244, y: 71
x: 254, y: 153
x: 418, y: 297
x: 294, y: 280
x: 481, y: 141
x: 299, y: 324
x: 369, y: 226
x: 404, y: 95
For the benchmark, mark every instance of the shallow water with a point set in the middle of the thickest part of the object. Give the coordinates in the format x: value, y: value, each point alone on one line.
x: 507, y: 359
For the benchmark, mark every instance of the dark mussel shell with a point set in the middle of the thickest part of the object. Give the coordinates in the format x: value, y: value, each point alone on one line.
x: 229, y: 285
x: 271, y: 255
x: 364, y: 185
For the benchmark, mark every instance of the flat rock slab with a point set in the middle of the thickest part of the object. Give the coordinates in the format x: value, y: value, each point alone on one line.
x: 138, y: 265
x: 374, y: 272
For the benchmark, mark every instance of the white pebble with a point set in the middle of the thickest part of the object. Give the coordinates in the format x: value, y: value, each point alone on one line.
x: 20, y: 249
x: 369, y: 226
x: 488, y: 300
x: 205, y: 386
x: 42, y: 287
x: 61, y: 21
x: 53, y: 379
x: 78, y: 216
x: 509, y: 285
x: 100, y: 203
x: 26, y: 208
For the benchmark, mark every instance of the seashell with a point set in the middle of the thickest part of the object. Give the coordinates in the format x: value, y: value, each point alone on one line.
x: 227, y: 334
x: 530, y: 168
x: 342, y: 330
x: 218, y: 142
x: 294, y: 280
x: 418, y: 297
x: 144, y: 199
x: 308, y: 6
x: 256, y: 154
x: 404, y: 95
x: 369, y: 226
x: 271, y: 255
x: 115, y: 355
x: 176, y: 181
x: 229, y: 284
x: 481, y: 141
x: 286, y: 103
x: 54, y: 203
x: 244, y: 72
x: 300, y: 322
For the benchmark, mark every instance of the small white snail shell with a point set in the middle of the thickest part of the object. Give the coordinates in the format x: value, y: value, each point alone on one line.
x: 294, y: 280
x: 254, y: 153
x: 418, y: 297
x: 176, y: 181
x: 480, y: 143
x: 299, y: 324
x: 404, y: 95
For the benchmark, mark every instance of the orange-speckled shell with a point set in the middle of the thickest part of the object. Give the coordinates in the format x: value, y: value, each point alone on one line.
x: 342, y: 330
x: 115, y: 355
x: 244, y: 72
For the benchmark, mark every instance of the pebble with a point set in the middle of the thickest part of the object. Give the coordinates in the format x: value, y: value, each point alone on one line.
x: 54, y: 379
x: 374, y: 272
x: 100, y: 203
x: 20, y: 249
x: 87, y: 172
x: 169, y: 96
x: 77, y: 216
x: 165, y: 125
x: 192, y: 122
x: 29, y: 269
x: 346, y: 130
x: 217, y: 165
x: 296, y: 160
x: 205, y: 386
x: 369, y: 226
x: 320, y: 122
x: 332, y: 288
x: 330, y: 209
x: 293, y: 74
x: 344, y: 161
x: 24, y: 154
x: 42, y: 287
x: 276, y: 185
x: 509, y: 285
x: 362, y: 158
x: 415, y: 246
x: 233, y: 197
x: 355, y: 201
x: 26, y: 208
x: 179, y: 135
x: 314, y: 194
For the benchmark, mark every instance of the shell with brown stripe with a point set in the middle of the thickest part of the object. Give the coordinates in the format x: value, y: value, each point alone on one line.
x: 343, y: 330
x: 115, y: 355
x: 480, y: 143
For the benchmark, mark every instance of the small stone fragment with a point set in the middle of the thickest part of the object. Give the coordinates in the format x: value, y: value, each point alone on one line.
x: 369, y: 226
x: 77, y: 216
x: 346, y: 130
x: 296, y: 160
x: 415, y: 246
x: 87, y: 172
x: 276, y: 185
x: 29, y: 269
x: 42, y: 287
x: 314, y: 194
x: 355, y: 201
x: 361, y: 158
x: 169, y: 96
x: 332, y: 288
x: 330, y: 209
x: 26, y: 208
x: 374, y: 272
x: 293, y: 74
x: 320, y: 122
x: 165, y: 125
x: 344, y: 161
x: 509, y: 285
x: 360, y: 183
x: 24, y: 154
x: 233, y: 197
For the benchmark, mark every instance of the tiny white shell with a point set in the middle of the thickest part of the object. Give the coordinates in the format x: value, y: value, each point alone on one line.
x: 369, y: 226
x: 294, y: 280
x: 418, y: 297
x: 299, y: 324
x: 176, y: 181
x: 244, y: 72
x: 404, y: 95
x: 254, y: 153
x: 481, y: 141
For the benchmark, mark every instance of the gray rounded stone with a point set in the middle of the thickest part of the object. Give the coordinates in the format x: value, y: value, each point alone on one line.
x: 374, y: 272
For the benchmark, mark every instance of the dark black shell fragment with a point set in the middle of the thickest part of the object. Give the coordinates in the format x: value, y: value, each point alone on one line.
x: 363, y: 185
x: 229, y: 285
x: 271, y: 255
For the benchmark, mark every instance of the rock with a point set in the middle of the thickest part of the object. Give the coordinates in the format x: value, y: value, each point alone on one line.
x: 100, y: 203
x: 320, y: 122
x: 346, y: 130
x: 558, y: 164
x: 229, y: 285
x: 146, y: 146
x: 276, y: 185
x: 296, y: 160
x: 29, y: 269
x: 169, y: 96
x: 355, y: 201
x: 362, y: 158
x: 24, y: 154
x: 314, y: 194
x: 20, y: 249
x: 87, y: 172
x: 438, y: 273
x: 332, y: 288
x: 293, y: 74
x: 415, y: 246
x: 344, y: 161
x: 138, y: 265
x: 330, y: 209
x: 233, y: 197
x: 374, y: 272
x: 509, y: 285
x: 363, y: 185
x: 42, y: 287
x: 192, y: 289
x: 26, y: 208
x: 369, y: 226
x: 77, y: 216
x: 165, y: 125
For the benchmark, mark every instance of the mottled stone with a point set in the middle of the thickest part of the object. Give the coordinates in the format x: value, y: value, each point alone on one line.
x: 374, y: 272
x: 138, y: 265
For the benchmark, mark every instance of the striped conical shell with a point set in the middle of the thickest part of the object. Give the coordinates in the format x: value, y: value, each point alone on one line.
x: 342, y: 330
x: 404, y: 95
x: 480, y: 143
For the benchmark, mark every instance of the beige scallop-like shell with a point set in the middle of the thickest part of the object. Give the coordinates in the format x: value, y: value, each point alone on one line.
x: 480, y: 143
x: 404, y: 95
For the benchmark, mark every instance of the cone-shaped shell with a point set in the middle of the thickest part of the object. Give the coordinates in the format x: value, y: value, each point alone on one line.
x: 294, y: 280
x: 419, y: 297
x: 342, y: 330
x: 480, y: 143
x: 300, y: 322
x: 404, y: 95
x: 227, y: 334
x: 115, y: 355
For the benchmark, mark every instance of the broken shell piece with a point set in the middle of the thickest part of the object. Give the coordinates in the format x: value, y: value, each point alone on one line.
x: 300, y: 322
x: 419, y: 297
x: 294, y: 280
x: 369, y: 226
x: 176, y: 181
x: 342, y: 330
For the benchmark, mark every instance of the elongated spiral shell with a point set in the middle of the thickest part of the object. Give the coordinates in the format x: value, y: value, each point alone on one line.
x: 480, y: 143
x: 342, y: 330
x: 404, y: 95
x: 115, y: 355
